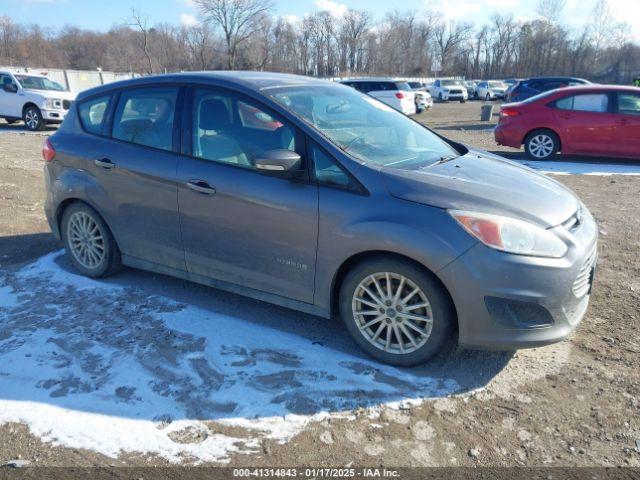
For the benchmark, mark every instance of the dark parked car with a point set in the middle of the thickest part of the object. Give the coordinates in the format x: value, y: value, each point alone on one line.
x: 533, y: 86
x: 586, y: 120
x: 311, y: 195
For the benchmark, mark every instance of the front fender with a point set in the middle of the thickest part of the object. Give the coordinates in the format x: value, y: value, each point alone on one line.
x: 427, y: 235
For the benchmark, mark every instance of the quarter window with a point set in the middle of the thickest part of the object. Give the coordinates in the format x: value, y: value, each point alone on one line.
x: 145, y: 116
x: 597, y: 102
x: 92, y: 113
x: 628, y: 104
x: 230, y: 129
x: 327, y: 171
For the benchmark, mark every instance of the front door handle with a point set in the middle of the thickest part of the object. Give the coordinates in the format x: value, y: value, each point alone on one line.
x: 201, y: 186
x: 622, y: 121
x: 566, y: 116
x: 104, y: 163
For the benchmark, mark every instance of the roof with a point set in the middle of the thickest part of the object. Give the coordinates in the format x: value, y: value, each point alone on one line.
x: 572, y: 79
x: 372, y: 79
x: 598, y: 87
x: 247, y: 79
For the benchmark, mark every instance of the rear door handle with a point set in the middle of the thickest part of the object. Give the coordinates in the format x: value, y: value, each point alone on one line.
x: 622, y: 121
x: 104, y: 163
x: 201, y: 186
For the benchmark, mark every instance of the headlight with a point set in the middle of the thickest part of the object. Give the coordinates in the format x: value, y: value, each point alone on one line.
x: 511, y: 235
x: 52, y: 103
x: 445, y: 89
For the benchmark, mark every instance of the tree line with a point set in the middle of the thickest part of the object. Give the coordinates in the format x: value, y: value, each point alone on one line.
x: 245, y: 34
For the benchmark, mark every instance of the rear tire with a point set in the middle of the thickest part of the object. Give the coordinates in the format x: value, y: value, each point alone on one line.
x: 541, y: 144
x: 396, y: 329
x: 88, y: 241
x: 487, y: 97
x: 33, y: 119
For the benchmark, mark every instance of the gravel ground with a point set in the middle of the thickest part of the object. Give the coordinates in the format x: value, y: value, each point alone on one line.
x: 576, y: 403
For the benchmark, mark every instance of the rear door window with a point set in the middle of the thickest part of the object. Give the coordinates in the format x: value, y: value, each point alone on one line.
x: 596, y: 102
x: 92, y: 113
x: 145, y: 116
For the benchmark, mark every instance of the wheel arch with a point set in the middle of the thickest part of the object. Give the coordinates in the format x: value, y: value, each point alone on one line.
x: 538, y: 129
x: 357, y: 258
x: 27, y: 105
x: 67, y: 202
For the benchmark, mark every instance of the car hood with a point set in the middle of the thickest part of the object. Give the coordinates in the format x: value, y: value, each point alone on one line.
x: 64, y: 95
x: 482, y: 182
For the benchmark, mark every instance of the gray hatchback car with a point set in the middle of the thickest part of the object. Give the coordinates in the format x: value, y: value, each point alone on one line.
x: 308, y: 194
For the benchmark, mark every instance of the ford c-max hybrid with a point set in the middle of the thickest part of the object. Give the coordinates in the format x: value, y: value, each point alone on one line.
x: 311, y: 195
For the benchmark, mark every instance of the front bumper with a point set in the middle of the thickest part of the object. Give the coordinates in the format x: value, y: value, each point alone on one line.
x: 454, y: 96
x: 506, y: 301
x: 53, y: 115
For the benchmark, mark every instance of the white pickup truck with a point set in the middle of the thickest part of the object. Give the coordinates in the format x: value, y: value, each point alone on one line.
x: 35, y: 99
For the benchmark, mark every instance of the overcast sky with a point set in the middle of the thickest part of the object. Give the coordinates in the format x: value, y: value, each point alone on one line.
x: 102, y: 14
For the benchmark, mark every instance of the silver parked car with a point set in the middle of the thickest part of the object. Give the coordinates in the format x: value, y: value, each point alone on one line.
x: 314, y: 196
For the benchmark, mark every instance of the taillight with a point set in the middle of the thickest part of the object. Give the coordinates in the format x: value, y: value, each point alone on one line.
x: 48, y: 152
x: 400, y: 95
x: 508, y: 112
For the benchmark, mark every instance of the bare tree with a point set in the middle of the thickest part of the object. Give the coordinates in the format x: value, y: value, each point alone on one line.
x: 140, y: 23
x: 551, y: 10
x: 238, y: 20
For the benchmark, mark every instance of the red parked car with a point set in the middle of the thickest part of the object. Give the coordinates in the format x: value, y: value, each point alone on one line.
x: 582, y: 120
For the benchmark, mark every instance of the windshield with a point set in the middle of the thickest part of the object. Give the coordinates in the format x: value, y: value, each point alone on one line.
x: 39, y: 83
x: 450, y: 83
x: 364, y: 127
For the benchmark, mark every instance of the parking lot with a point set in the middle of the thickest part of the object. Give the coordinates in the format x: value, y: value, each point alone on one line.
x: 143, y: 369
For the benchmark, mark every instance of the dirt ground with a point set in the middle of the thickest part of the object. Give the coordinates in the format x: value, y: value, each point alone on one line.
x: 576, y: 403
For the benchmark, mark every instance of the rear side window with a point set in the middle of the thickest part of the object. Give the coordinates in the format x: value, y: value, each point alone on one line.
x: 402, y: 86
x: 92, y: 113
x: 596, y: 102
x: 145, y: 116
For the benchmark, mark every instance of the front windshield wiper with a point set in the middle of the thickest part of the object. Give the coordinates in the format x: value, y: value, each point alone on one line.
x: 443, y: 159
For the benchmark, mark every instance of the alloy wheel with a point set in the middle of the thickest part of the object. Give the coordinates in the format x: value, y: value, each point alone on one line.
x: 32, y: 119
x: 86, y: 240
x: 541, y: 145
x: 392, y: 312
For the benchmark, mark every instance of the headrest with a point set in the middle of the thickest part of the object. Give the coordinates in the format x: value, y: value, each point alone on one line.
x: 214, y: 115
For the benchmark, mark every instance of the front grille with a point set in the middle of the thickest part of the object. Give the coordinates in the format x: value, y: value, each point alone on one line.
x: 582, y: 283
x: 455, y: 92
x: 66, y: 104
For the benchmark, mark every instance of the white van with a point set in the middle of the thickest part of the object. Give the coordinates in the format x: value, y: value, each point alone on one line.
x: 35, y: 99
x: 395, y: 93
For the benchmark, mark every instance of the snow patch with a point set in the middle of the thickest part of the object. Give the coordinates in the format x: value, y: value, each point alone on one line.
x: 107, y: 366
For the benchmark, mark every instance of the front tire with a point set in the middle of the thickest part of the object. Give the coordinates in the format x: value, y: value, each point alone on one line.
x: 488, y: 97
x: 396, y: 311
x: 33, y: 119
x: 541, y: 145
x: 88, y: 241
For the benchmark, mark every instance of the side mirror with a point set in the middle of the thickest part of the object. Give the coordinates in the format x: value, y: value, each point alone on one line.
x: 278, y: 163
x: 10, y: 87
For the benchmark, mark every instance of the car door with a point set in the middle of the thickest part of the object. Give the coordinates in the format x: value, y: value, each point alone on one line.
x: 8, y: 100
x: 134, y: 164
x: 585, y: 123
x: 627, y: 124
x: 239, y: 225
